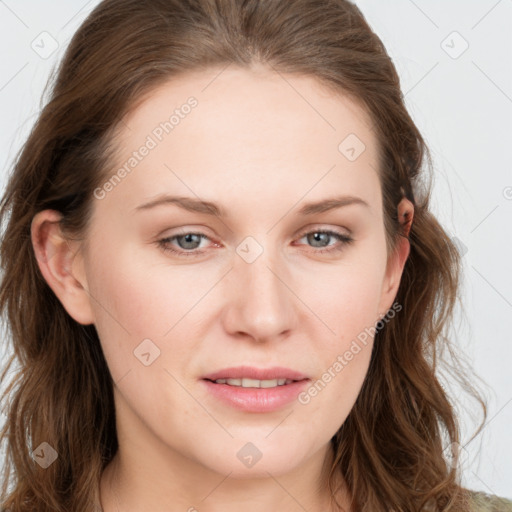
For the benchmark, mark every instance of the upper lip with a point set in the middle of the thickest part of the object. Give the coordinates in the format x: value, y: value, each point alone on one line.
x: 250, y: 372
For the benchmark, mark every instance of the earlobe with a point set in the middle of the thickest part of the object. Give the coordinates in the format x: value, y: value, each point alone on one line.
x: 402, y: 252
x: 55, y: 256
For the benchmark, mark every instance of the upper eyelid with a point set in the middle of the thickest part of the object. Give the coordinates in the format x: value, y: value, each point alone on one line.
x: 323, y: 227
x: 300, y: 234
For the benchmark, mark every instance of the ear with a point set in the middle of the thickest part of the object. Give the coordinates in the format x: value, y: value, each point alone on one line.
x: 396, y: 261
x: 56, y: 257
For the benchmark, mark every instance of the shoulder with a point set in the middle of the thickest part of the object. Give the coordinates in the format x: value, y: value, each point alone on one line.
x: 481, y: 502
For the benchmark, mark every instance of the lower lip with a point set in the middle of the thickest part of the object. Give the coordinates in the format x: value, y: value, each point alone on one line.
x: 256, y: 399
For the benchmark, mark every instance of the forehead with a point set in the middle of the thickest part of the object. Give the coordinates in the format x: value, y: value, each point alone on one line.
x: 249, y: 130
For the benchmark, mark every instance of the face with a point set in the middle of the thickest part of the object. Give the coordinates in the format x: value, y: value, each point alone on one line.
x: 271, y: 272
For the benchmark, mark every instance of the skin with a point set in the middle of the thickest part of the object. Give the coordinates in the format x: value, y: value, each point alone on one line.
x: 260, y: 149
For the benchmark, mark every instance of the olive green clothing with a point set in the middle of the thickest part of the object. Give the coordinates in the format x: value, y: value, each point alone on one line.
x: 489, y: 503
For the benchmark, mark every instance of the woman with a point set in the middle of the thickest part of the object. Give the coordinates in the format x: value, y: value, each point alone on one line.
x: 223, y: 282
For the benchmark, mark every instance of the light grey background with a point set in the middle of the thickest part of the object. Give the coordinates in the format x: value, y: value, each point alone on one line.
x: 461, y: 102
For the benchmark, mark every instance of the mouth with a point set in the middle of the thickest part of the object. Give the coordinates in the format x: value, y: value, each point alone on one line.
x: 246, y: 382
x: 250, y: 376
x: 255, y: 390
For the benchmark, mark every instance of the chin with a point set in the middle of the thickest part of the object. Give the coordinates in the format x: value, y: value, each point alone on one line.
x: 244, y: 460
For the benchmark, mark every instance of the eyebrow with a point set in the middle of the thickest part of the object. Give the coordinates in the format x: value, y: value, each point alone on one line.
x: 209, y: 208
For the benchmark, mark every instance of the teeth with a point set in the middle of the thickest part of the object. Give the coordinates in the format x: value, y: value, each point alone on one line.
x: 254, y: 383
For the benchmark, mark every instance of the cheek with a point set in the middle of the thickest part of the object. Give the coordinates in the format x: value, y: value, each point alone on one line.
x: 146, y: 295
x: 134, y: 301
x: 345, y: 296
x: 345, y: 356
x: 346, y: 299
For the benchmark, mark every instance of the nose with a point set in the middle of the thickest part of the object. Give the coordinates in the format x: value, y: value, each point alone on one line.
x: 260, y: 304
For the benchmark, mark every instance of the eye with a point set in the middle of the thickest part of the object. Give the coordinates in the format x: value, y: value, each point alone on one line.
x: 320, y: 237
x: 189, y: 242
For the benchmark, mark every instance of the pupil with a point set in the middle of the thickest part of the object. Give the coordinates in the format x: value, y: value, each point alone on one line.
x: 316, y: 237
x: 188, y: 240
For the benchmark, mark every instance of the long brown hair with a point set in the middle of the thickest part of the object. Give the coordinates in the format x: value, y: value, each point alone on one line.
x: 391, y: 448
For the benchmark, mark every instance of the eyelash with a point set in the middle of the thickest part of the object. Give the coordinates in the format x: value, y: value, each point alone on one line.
x: 164, y: 243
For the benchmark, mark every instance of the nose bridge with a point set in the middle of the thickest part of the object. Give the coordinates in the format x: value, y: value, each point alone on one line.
x: 260, y: 304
